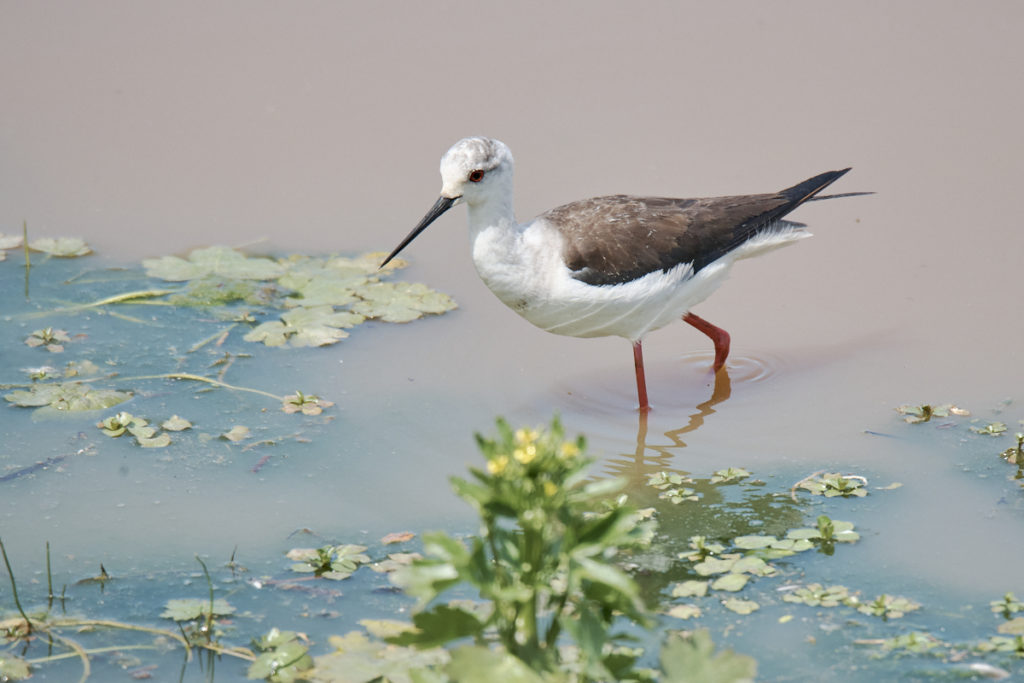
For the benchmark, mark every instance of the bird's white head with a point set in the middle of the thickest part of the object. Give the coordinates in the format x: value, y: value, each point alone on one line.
x: 475, y: 169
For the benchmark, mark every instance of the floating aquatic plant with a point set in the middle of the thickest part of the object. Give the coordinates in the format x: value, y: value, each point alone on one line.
x: 832, y: 484
x: 63, y: 247
x: 684, y: 611
x: 885, y: 606
x: 305, y: 404
x: 50, y: 339
x: 70, y: 396
x: 701, y: 548
x: 991, y: 429
x: 925, y: 412
x: 669, y: 483
x: 816, y: 595
x: 176, y: 424
x: 145, y: 435
x: 740, y: 606
x: 729, y: 475
x: 400, y: 302
x: 335, y: 562
x: 1008, y: 606
x: 188, y: 609
x: 218, y: 261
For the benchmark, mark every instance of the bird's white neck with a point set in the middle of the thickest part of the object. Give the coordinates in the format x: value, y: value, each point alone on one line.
x: 496, y: 212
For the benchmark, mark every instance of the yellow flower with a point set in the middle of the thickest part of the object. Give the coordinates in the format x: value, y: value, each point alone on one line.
x: 526, y: 436
x: 570, y: 450
x: 525, y: 455
x: 497, y: 465
x: 550, y: 488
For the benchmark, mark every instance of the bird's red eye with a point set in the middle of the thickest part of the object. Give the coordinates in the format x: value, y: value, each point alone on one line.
x: 476, y: 176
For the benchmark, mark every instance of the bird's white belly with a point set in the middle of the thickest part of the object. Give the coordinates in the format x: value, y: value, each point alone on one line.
x: 527, y: 273
x: 542, y: 290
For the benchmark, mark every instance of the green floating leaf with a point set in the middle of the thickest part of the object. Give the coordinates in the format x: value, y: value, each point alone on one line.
x: 816, y: 595
x: 9, y: 241
x: 1013, y: 627
x: 316, y: 326
x: 223, y: 262
x: 834, y: 484
x: 213, y: 290
x: 915, y: 641
x: 730, y: 582
x: 329, y: 562
x: 306, y: 404
x: 394, y: 562
x: 13, y: 668
x: 991, y: 429
x: 63, y: 247
x: 50, y: 339
x: 176, y: 424
x: 156, y: 441
x: 729, y: 475
x: 70, y: 396
x: 741, y: 606
x: 186, y: 609
x: 1008, y: 606
x: 85, y: 368
x: 237, y: 433
x: 924, y: 413
x: 693, y: 658
x: 754, y: 542
x: 714, y: 565
x: 664, y: 480
x: 689, y: 589
x: 684, y: 611
x: 886, y: 606
x: 386, y: 628
x: 677, y: 496
x: 400, y: 302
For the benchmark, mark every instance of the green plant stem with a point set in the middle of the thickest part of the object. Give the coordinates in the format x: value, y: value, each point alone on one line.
x: 212, y: 338
x: 126, y: 297
x: 91, y: 651
x: 80, y: 652
x: 208, y: 380
x: 209, y: 584
x: 14, y: 587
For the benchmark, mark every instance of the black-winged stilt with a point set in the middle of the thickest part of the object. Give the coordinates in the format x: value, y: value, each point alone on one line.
x: 610, y: 266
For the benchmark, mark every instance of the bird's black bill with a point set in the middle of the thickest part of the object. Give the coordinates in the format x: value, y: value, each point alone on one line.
x: 439, y: 207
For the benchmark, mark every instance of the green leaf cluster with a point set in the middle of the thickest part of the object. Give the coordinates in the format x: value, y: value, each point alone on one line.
x: 834, y: 484
x: 335, y: 562
x: 70, y: 396
x: 543, y: 560
x: 145, y: 435
x: 670, y: 485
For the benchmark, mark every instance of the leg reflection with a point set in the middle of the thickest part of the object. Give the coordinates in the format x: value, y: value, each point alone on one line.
x: 651, y: 458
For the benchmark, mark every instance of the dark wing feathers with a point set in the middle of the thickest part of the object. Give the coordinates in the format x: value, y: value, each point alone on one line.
x: 611, y: 240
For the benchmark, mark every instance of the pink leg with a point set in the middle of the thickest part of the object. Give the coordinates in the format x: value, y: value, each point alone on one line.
x: 641, y: 383
x: 719, y: 336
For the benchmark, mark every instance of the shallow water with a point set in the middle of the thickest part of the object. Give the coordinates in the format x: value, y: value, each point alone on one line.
x: 152, y: 130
